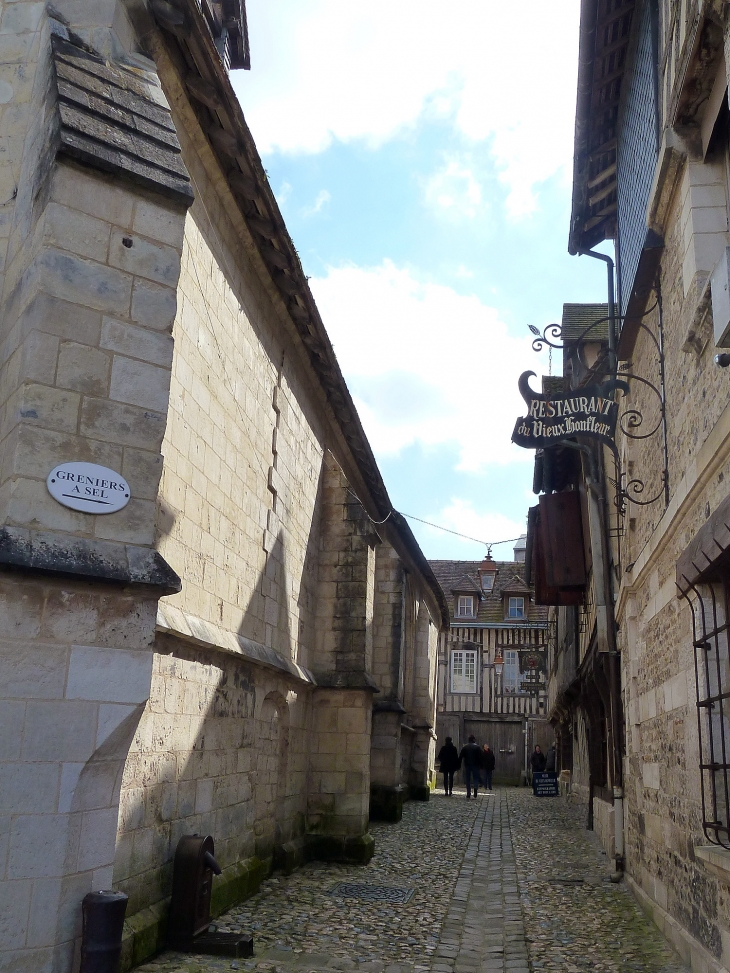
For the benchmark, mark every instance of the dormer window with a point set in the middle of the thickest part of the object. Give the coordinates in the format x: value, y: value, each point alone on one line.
x: 515, y: 608
x: 465, y: 606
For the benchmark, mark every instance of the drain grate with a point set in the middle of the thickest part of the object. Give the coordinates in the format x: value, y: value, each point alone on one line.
x: 372, y: 893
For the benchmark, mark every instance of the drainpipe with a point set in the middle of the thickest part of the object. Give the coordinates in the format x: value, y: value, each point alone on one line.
x: 611, y: 304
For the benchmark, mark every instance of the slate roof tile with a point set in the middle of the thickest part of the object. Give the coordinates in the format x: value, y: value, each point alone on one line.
x: 111, y: 118
x: 510, y: 578
x: 578, y: 317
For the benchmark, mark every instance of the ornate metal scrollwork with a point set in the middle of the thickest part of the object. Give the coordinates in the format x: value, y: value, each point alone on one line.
x: 631, y: 421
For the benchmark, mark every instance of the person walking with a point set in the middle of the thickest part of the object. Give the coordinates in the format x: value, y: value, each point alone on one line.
x: 488, y: 762
x: 551, y: 761
x: 537, y: 761
x: 449, y: 763
x: 471, y: 760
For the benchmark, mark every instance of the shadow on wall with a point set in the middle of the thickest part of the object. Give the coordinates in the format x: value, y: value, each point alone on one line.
x: 213, y: 754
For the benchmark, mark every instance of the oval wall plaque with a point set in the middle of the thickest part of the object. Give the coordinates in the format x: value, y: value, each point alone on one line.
x: 87, y: 487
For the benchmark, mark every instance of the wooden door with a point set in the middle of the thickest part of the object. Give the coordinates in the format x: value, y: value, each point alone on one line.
x: 508, y: 743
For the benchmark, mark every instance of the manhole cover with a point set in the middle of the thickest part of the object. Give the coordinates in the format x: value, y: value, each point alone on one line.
x: 371, y: 893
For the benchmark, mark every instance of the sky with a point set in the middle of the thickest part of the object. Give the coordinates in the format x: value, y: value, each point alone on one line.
x: 421, y: 155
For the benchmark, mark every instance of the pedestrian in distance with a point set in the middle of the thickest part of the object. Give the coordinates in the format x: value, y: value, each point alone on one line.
x: 537, y: 761
x: 488, y: 762
x: 471, y: 761
x: 449, y: 763
x: 551, y: 761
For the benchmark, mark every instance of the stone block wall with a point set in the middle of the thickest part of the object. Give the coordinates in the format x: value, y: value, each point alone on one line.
x: 346, y: 578
x: 222, y: 749
x: 388, y: 622
x: 243, y: 448
x: 339, y: 768
x: 661, y: 776
x: 75, y: 671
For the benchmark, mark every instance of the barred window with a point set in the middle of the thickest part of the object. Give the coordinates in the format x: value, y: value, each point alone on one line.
x: 463, y: 671
x: 709, y: 603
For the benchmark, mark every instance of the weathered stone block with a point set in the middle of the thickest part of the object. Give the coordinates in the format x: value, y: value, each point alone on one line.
x: 83, y: 368
x: 386, y: 802
x: 135, y: 342
x: 77, y: 232
x: 109, y: 675
x: 120, y: 423
x: 85, y: 282
x: 138, y: 383
x: 144, y: 258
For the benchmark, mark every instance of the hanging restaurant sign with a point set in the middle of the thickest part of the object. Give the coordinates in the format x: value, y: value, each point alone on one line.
x: 587, y: 411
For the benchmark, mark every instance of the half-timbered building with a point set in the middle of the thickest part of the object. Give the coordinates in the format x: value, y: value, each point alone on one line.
x: 491, y: 680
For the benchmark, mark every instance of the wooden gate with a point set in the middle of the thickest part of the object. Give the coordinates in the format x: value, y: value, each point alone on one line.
x: 507, y: 740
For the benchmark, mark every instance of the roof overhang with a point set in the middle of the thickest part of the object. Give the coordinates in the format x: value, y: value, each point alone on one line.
x: 603, y: 46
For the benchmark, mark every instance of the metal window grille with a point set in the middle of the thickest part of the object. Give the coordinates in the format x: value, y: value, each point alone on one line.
x: 710, y: 625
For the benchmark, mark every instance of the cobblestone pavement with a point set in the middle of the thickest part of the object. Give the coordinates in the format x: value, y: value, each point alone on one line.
x: 507, y: 883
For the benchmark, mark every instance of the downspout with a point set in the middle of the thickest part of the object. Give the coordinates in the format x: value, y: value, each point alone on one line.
x: 611, y: 303
x: 608, y: 617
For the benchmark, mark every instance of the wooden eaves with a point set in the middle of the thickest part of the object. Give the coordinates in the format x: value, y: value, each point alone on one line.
x: 605, y: 27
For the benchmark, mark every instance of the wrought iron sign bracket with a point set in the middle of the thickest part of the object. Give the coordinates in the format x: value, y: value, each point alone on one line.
x: 631, y: 420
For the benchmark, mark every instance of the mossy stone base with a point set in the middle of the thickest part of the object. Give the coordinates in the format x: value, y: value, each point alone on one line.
x: 354, y: 850
x: 386, y: 802
x: 291, y: 855
x: 419, y: 792
x: 145, y: 932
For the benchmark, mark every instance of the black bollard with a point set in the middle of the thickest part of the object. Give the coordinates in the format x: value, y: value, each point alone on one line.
x: 101, y: 937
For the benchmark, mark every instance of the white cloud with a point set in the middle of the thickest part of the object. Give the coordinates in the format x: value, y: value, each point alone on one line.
x: 323, y: 197
x: 325, y: 70
x: 459, y: 515
x: 284, y: 193
x: 425, y: 364
x: 454, y: 190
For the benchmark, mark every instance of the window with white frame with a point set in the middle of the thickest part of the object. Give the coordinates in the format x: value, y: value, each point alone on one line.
x: 515, y: 607
x: 463, y: 671
x: 511, y: 672
x: 465, y: 606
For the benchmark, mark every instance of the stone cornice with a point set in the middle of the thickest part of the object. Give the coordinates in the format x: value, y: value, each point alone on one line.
x: 172, y: 620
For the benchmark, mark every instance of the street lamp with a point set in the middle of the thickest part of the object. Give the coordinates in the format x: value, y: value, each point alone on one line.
x: 498, y: 663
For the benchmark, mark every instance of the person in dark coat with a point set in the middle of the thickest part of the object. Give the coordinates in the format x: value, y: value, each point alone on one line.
x: 449, y: 763
x: 537, y: 761
x: 550, y: 763
x: 488, y: 762
x: 471, y: 761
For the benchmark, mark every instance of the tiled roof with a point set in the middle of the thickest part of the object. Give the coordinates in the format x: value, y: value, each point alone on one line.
x: 515, y: 584
x: 114, y: 117
x: 467, y: 583
x: 510, y: 578
x: 578, y: 317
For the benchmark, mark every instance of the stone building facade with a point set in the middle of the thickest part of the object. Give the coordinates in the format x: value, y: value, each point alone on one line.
x: 651, y: 173
x: 225, y: 653
x: 492, y: 662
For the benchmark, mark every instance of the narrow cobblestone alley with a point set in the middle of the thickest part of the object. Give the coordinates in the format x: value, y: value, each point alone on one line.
x: 506, y: 883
